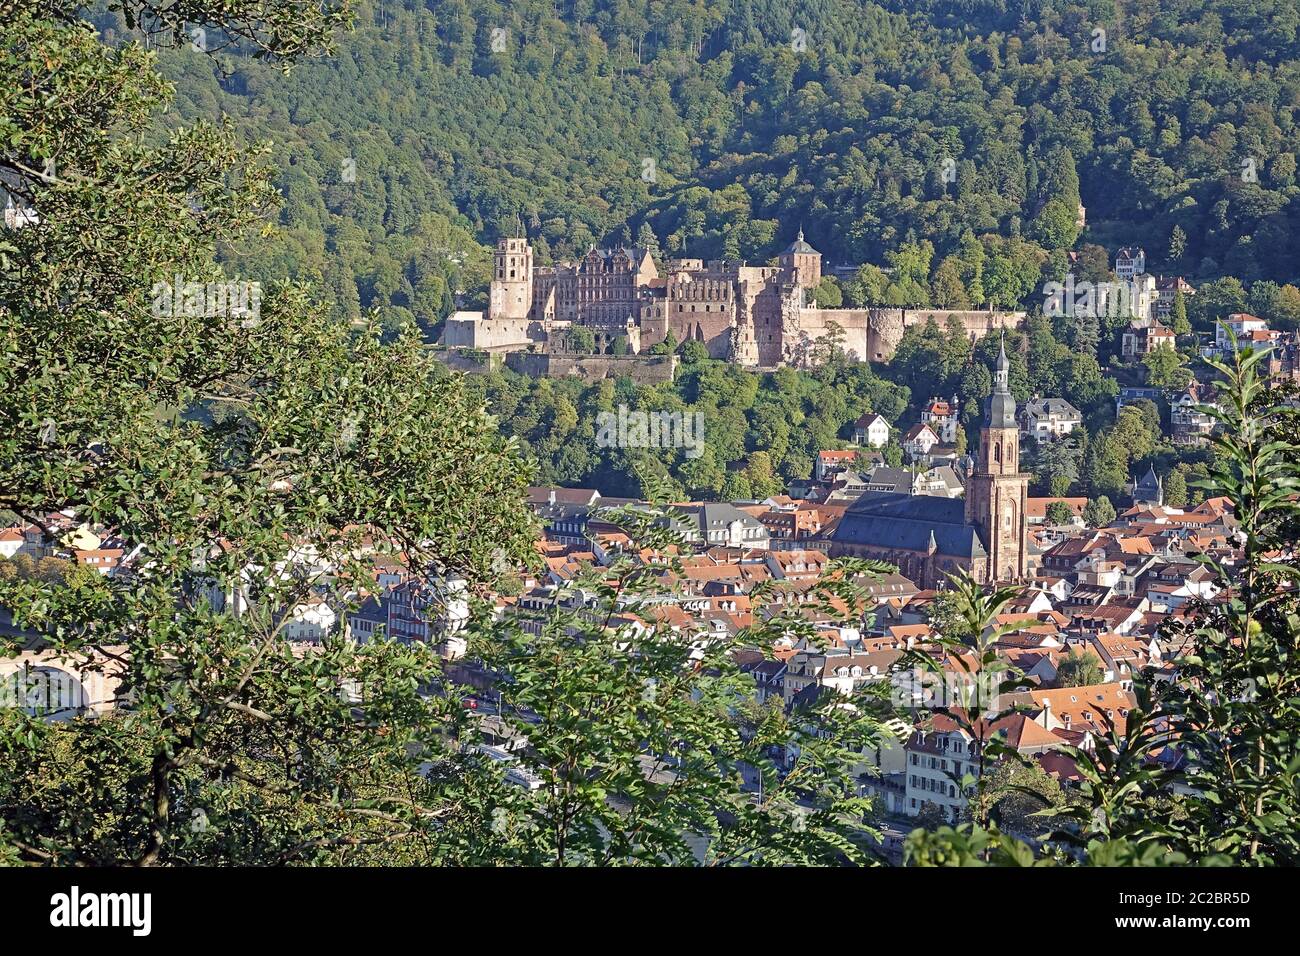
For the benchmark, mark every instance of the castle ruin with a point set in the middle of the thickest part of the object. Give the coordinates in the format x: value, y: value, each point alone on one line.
x: 755, y: 316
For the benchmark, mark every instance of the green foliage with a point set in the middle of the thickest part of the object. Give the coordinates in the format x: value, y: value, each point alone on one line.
x: 1098, y: 513
x: 1175, y: 489
x: 1233, y: 713
x: 643, y: 737
x: 1165, y: 369
x: 1203, y: 770
x: 1080, y: 669
x: 225, y: 439
x: 760, y: 430
x: 1059, y: 513
x: 581, y: 340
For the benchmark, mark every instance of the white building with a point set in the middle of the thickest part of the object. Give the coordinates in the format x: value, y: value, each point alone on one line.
x: 871, y: 430
x: 920, y: 439
x: 941, y: 416
x: 1046, y: 419
x: 1130, y: 263
x: 311, y: 621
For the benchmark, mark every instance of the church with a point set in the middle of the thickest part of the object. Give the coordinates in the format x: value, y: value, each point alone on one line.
x: 929, y: 537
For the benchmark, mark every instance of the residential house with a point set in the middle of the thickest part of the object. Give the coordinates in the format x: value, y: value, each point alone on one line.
x: 1130, y: 263
x: 1189, y: 425
x: 1136, y: 393
x: 871, y: 430
x: 713, y: 523
x: 1036, y: 509
x: 942, y: 482
x: 1167, y: 287
x: 942, y: 417
x: 831, y: 462
x: 1046, y: 419
x: 1143, y: 336
x: 941, y: 752
x: 919, y: 440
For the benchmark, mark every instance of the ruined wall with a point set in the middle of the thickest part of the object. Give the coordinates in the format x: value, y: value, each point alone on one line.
x: 471, y: 362
x: 887, y: 326
x: 703, y: 310
x: 643, y: 369
x: 469, y: 330
x: 855, y: 323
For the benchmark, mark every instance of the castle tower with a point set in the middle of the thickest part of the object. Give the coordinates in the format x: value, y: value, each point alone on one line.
x: 996, y: 490
x: 511, y: 293
x: 802, y: 263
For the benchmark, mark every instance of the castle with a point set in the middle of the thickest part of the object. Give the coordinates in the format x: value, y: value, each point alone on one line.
x: 755, y: 316
x: 930, y: 537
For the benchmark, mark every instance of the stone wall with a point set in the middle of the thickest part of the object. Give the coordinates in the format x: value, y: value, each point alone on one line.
x: 872, y: 334
x: 643, y: 369
x: 888, y: 325
x: 855, y: 323
x: 470, y: 361
x: 471, y: 331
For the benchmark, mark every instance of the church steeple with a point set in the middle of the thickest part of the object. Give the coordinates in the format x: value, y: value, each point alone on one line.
x: 996, y: 490
x: 1000, y: 409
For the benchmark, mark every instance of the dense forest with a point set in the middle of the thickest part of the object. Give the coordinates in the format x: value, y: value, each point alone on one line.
x: 949, y: 142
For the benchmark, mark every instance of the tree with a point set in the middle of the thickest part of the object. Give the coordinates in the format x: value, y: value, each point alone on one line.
x: 1232, y: 700
x: 646, y: 239
x: 1231, y: 736
x: 949, y: 292
x: 960, y: 442
x: 867, y: 287
x: 762, y: 478
x: 1177, y: 243
x: 827, y: 295
x: 581, y: 339
x: 640, y: 738
x: 1079, y: 669
x: 1175, y: 488
x: 1178, y: 314
x: 1215, y: 301
x: 693, y: 351
x: 1020, y: 794
x: 930, y: 816
x: 1059, y: 513
x: 1098, y: 513
x: 232, y: 436
x: 1165, y: 369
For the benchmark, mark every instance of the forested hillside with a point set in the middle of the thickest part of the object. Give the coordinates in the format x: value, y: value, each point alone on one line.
x: 1175, y: 127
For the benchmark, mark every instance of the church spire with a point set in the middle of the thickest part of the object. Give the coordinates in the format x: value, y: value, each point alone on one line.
x: 1002, y: 369
x: 1000, y: 409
